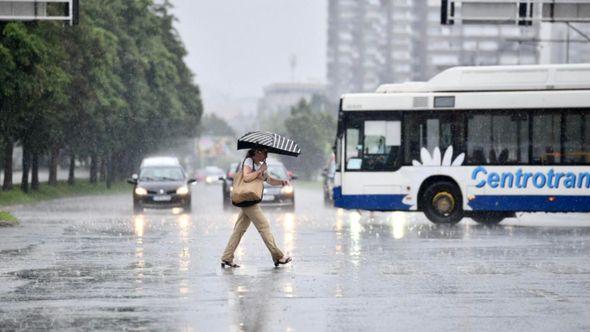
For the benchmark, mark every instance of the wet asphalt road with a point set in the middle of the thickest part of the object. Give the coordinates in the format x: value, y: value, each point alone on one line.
x: 89, y: 264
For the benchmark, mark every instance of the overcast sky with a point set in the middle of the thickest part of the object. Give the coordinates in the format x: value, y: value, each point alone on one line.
x: 238, y: 46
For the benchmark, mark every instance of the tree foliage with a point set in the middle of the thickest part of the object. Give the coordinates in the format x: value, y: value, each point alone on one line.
x: 311, y: 126
x: 216, y: 126
x: 110, y: 89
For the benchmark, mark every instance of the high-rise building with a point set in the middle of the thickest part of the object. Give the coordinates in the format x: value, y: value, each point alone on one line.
x: 439, y: 47
x: 356, y: 40
x: 563, y: 44
x: 371, y: 42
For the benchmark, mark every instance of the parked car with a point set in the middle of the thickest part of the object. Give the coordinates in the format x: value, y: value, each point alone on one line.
x: 328, y: 181
x: 283, y: 197
x: 213, y: 174
x: 161, y: 183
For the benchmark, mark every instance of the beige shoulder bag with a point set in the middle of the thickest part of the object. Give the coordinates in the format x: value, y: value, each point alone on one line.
x: 246, y: 193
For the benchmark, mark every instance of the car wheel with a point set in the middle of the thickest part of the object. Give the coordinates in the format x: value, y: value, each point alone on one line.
x: 442, y: 203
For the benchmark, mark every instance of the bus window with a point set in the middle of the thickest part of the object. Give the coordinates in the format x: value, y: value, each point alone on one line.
x: 353, y: 149
x: 576, y: 138
x: 497, y: 138
x: 432, y: 131
x: 547, y: 138
x: 586, y: 141
x: 382, y: 140
x: 478, y: 138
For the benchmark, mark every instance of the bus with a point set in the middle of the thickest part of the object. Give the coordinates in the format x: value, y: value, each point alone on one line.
x: 478, y: 142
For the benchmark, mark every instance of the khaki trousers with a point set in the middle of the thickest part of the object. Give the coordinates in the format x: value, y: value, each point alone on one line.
x: 255, y: 215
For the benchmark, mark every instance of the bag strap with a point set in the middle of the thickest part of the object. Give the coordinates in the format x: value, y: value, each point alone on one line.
x: 243, y: 162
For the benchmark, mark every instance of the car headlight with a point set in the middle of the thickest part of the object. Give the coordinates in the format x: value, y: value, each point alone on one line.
x: 287, y: 190
x: 139, y: 191
x: 182, y: 190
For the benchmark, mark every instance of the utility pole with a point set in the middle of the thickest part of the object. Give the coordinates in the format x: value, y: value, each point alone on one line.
x: 293, y: 65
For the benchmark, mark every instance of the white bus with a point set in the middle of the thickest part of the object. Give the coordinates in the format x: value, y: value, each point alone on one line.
x: 483, y: 142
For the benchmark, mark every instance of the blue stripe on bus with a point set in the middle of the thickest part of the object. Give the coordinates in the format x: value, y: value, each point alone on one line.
x: 523, y: 203
x: 531, y: 203
x: 369, y: 202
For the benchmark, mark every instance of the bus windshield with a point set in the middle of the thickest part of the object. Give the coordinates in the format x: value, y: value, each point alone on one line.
x: 372, y: 144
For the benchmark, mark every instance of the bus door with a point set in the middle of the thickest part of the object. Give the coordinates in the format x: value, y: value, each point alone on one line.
x: 372, y: 144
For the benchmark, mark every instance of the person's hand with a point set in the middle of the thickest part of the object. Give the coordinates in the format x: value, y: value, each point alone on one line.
x: 286, y: 183
x: 263, y: 168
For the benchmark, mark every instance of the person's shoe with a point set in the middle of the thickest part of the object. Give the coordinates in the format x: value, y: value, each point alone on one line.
x: 228, y: 264
x: 283, y: 261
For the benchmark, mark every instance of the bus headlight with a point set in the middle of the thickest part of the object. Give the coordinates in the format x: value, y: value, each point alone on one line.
x: 287, y: 190
x: 139, y: 191
x: 182, y: 190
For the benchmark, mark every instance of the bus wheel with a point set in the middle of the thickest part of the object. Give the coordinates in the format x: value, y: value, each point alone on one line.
x: 442, y: 203
x: 490, y: 218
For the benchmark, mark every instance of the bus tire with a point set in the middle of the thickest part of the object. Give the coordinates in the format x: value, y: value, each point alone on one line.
x: 442, y: 203
x: 490, y: 217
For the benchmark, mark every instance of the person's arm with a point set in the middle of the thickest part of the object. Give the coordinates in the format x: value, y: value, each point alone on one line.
x: 276, y: 182
x: 250, y: 175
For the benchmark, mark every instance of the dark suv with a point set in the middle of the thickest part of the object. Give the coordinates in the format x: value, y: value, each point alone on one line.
x: 162, y: 183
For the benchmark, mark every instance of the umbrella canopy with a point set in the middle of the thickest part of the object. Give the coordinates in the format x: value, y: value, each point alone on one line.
x: 274, y: 143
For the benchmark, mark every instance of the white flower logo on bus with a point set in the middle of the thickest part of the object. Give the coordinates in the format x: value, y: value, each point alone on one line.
x: 435, y: 159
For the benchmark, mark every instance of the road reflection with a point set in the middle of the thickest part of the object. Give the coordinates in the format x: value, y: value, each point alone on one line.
x: 398, y: 224
x: 184, y: 225
x: 184, y: 222
x: 287, y: 220
x: 356, y: 229
x: 139, y: 266
x: 251, y: 298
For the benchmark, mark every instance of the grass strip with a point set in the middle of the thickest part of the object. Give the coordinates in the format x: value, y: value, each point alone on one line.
x: 7, y: 219
x: 62, y: 189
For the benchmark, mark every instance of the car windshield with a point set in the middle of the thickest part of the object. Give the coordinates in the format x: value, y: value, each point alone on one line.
x: 161, y: 174
x: 278, y: 172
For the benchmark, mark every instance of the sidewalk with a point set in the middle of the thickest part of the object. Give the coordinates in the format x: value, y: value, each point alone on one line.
x: 62, y: 175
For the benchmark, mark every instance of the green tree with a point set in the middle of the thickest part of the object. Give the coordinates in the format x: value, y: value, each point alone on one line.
x: 216, y: 126
x: 107, y: 91
x: 313, y: 127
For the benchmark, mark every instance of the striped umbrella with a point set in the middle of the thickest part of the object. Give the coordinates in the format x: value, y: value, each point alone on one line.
x: 274, y: 143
